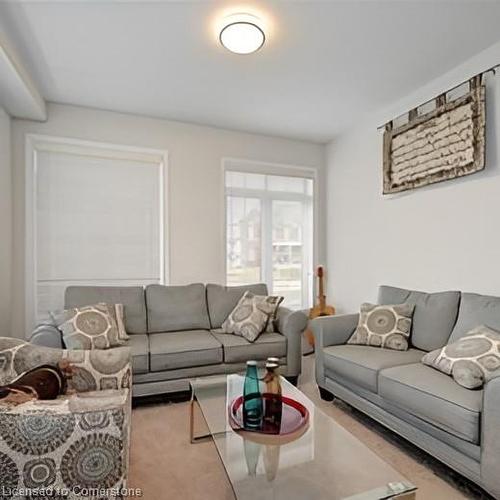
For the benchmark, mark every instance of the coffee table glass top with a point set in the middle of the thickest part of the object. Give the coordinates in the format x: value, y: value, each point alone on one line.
x: 326, y: 462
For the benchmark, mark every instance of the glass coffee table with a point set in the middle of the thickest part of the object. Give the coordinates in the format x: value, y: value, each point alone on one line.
x: 325, y: 462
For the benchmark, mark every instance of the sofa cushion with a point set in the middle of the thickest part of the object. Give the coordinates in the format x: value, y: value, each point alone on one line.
x: 172, y: 350
x: 434, y: 316
x: 139, y: 348
x: 174, y: 308
x: 361, y: 364
x: 237, y: 349
x: 221, y: 300
x: 476, y: 310
x: 132, y: 298
x: 434, y: 397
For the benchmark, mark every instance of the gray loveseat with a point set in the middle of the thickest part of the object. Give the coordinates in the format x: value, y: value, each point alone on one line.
x: 458, y: 426
x: 175, y: 333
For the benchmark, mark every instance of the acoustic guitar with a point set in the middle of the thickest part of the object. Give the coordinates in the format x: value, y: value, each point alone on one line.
x: 321, y: 308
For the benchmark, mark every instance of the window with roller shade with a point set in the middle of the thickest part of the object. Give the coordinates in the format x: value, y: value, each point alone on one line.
x: 98, y: 219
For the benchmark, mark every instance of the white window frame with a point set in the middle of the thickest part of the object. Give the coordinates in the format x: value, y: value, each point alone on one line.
x: 230, y: 164
x: 35, y: 143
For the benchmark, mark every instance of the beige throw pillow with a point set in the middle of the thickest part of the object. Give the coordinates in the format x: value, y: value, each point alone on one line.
x: 471, y: 360
x: 251, y: 315
x: 118, y: 313
x: 387, y: 326
x: 90, y: 327
x: 270, y: 327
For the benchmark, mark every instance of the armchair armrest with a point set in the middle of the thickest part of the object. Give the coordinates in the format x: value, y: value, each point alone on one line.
x: 64, y: 433
x: 99, y: 369
x: 291, y: 324
x: 328, y: 331
x: 333, y: 330
x: 490, y: 442
x: 92, y: 370
x: 47, y: 335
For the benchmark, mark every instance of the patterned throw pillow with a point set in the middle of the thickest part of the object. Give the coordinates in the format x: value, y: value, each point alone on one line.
x: 472, y: 360
x: 251, y: 315
x: 89, y: 327
x: 385, y: 326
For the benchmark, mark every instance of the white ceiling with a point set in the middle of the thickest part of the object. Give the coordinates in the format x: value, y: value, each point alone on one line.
x: 324, y: 63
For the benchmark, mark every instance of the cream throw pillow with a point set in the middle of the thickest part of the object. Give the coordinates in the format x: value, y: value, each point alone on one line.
x: 384, y: 326
x: 471, y: 360
x: 118, y: 313
x: 251, y: 315
x: 270, y: 327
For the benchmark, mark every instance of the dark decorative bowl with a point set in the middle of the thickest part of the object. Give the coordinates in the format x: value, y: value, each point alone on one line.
x: 294, y: 422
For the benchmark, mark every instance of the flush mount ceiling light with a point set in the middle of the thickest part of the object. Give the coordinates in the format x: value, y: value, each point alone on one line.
x: 242, y: 34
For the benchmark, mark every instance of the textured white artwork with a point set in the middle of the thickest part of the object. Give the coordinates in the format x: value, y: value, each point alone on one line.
x: 445, y: 143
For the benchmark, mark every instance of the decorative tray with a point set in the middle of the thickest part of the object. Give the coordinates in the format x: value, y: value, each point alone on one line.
x: 294, y: 422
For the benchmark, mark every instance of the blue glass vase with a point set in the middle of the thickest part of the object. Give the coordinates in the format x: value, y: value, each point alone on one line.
x: 252, y: 399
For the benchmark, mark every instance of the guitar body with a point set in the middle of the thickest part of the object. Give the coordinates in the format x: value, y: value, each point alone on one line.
x: 321, y: 309
x: 318, y: 311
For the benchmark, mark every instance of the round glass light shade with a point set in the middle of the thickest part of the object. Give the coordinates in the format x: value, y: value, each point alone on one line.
x: 242, y: 36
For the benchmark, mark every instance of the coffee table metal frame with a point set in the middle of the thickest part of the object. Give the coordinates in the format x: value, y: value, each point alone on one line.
x: 202, y: 437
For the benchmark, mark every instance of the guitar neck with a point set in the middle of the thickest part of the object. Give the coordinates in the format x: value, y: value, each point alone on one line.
x: 321, y: 295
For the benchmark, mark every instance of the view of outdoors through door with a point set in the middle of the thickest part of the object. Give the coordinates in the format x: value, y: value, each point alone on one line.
x: 269, y: 234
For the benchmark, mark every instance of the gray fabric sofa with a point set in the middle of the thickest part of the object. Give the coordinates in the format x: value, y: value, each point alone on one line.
x: 175, y: 333
x: 456, y: 425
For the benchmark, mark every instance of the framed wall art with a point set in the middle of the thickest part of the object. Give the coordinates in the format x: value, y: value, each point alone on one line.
x: 433, y: 146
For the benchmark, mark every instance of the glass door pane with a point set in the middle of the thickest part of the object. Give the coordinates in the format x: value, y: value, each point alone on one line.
x: 288, y: 251
x: 243, y: 240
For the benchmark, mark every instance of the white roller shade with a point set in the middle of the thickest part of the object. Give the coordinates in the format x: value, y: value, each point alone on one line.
x: 98, y: 220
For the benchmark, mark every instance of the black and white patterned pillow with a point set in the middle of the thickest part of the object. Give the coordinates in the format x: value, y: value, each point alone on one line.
x: 387, y: 326
x: 251, y: 315
x: 472, y: 360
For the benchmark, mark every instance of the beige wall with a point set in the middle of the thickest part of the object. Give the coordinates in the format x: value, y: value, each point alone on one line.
x: 5, y: 225
x: 196, y: 203
x: 439, y: 237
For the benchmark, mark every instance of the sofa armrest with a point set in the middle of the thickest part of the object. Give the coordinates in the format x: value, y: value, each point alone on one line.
x: 490, y: 442
x: 333, y: 330
x: 330, y: 330
x: 291, y: 324
x: 47, y: 336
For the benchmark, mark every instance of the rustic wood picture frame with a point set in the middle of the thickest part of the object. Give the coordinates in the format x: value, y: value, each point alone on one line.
x: 408, y: 169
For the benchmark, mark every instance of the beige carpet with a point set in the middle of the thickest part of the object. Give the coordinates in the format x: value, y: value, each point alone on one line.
x: 166, y: 466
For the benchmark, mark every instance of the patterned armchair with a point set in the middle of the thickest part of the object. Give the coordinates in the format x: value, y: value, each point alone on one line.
x: 72, y: 445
